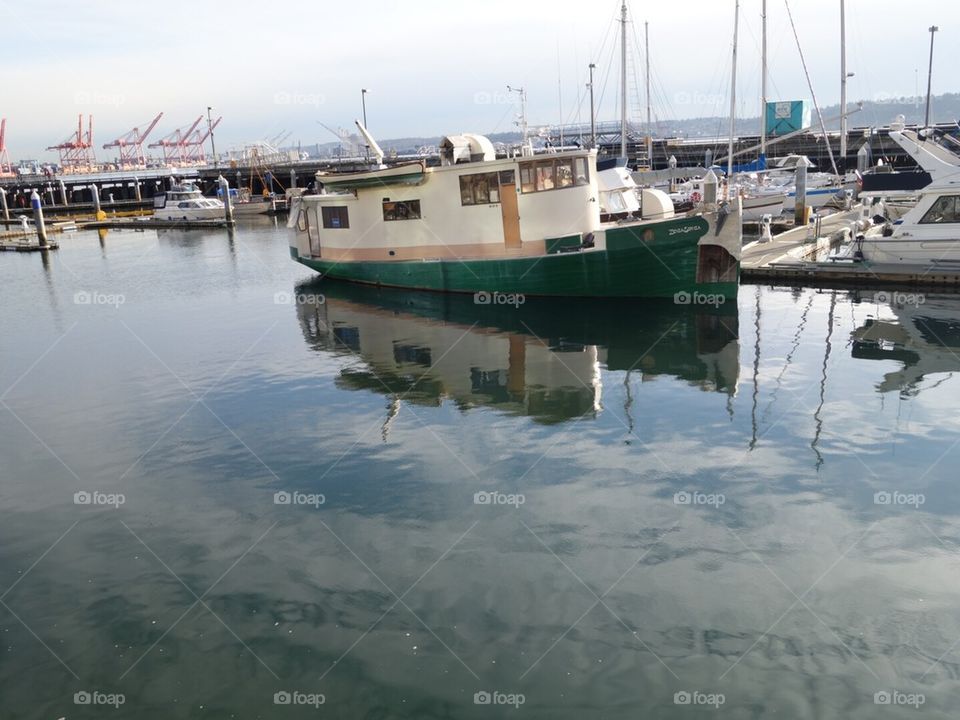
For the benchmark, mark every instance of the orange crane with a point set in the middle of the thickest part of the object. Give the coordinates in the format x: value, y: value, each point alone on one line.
x: 184, y: 146
x: 76, y: 152
x: 5, y: 168
x: 131, y: 146
x: 193, y: 146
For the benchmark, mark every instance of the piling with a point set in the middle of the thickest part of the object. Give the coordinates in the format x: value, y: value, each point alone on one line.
x: 710, y: 184
x: 63, y: 192
x: 227, y: 203
x: 38, y: 218
x: 136, y: 190
x: 800, y: 210
x: 95, y: 195
x: 3, y: 204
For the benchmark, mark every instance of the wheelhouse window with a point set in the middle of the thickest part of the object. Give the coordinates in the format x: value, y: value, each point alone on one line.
x: 335, y: 217
x: 480, y: 189
x: 945, y: 210
x: 553, y: 174
x: 401, y: 210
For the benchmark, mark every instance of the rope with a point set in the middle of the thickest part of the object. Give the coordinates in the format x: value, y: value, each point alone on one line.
x: 813, y: 96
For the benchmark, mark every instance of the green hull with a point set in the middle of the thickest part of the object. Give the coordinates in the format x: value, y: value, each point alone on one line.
x: 640, y: 261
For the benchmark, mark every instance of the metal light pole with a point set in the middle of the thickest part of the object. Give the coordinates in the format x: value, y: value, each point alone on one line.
x: 213, y: 146
x: 363, y: 104
x: 593, y: 115
x: 926, y: 121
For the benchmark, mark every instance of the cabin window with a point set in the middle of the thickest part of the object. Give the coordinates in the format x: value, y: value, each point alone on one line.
x: 335, y: 217
x: 564, y: 173
x: 945, y: 210
x: 401, y: 210
x: 544, y: 175
x: 554, y: 174
x: 527, y: 183
x: 479, y: 189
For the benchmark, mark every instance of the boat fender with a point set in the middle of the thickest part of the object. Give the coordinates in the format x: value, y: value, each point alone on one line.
x: 721, y: 218
x: 695, y: 196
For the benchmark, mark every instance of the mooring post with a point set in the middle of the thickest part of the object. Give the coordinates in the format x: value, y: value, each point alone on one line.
x: 95, y: 197
x: 136, y: 190
x: 3, y: 204
x: 63, y: 192
x: 710, y: 193
x: 800, y: 209
x: 293, y: 178
x: 227, y: 204
x: 38, y: 218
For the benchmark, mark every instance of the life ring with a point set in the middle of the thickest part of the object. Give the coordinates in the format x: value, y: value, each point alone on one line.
x: 695, y: 196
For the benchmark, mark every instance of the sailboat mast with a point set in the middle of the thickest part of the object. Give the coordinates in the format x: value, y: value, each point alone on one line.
x: 646, y: 45
x: 623, y: 79
x: 733, y: 94
x: 763, y: 80
x: 843, y: 87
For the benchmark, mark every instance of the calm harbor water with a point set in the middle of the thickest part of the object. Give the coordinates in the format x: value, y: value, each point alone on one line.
x: 231, y: 491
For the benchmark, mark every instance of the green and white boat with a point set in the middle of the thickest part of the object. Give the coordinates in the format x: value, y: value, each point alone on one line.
x: 533, y: 224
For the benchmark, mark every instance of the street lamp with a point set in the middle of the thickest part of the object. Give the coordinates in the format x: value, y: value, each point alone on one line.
x: 926, y: 121
x: 213, y: 147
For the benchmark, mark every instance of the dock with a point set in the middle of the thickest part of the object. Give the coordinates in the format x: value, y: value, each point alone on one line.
x: 791, y: 258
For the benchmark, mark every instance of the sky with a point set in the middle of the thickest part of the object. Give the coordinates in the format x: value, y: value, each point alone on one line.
x: 434, y: 68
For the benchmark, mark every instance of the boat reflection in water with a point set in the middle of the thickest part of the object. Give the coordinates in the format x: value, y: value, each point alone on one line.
x: 924, y: 336
x: 541, y: 358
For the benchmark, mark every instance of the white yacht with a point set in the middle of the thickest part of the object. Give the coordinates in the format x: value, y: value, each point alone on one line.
x: 184, y: 201
x: 928, y: 235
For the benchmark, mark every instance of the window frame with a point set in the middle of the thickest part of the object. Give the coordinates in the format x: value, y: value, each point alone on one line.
x: 531, y: 178
x: 342, y: 215
x: 956, y: 212
x: 413, y: 211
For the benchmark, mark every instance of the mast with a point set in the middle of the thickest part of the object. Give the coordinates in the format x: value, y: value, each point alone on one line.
x: 763, y: 80
x: 733, y: 94
x: 843, y: 87
x: 623, y: 79
x: 646, y: 45
x: 593, y: 115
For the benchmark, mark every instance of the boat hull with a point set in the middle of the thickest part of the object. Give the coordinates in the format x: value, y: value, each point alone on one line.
x: 638, y: 261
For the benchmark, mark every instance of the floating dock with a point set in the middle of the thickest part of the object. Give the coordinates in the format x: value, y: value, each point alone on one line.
x: 791, y: 258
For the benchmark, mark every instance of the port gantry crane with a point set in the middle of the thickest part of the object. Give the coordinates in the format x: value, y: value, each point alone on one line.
x: 131, y: 146
x: 6, y: 170
x: 76, y: 152
x: 184, y: 146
